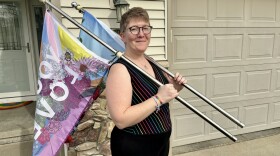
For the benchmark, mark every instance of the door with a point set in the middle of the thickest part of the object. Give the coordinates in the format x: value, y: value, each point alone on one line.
x: 229, y: 52
x: 16, y: 64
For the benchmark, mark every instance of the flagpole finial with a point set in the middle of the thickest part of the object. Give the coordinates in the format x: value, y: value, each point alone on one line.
x: 74, y: 4
x: 77, y: 6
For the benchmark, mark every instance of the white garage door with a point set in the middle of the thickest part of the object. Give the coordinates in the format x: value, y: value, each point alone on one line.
x: 229, y: 50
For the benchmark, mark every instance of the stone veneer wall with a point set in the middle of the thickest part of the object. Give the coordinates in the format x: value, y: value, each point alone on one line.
x: 92, y: 136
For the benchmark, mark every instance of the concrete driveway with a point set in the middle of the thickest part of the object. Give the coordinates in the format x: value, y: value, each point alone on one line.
x: 266, y: 146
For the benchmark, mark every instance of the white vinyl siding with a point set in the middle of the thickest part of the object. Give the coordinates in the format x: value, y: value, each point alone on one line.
x: 105, y: 11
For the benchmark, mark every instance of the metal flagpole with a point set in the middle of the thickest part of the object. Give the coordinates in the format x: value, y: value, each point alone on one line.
x: 119, y: 54
x: 205, y: 99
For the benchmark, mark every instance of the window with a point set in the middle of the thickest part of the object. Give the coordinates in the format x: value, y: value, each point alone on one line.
x: 9, y: 27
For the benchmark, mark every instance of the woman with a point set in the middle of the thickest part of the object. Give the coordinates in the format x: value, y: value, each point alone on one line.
x: 137, y: 106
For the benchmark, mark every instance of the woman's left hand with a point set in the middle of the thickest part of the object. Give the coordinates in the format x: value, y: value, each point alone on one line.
x: 177, y: 81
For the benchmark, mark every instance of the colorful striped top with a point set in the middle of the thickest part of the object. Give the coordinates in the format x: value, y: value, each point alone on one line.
x: 143, y: 88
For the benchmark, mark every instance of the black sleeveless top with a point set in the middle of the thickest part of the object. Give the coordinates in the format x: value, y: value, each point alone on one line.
x: 143, y: 88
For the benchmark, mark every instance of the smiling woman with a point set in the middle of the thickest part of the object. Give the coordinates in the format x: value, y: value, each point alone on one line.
x: 139, y: 109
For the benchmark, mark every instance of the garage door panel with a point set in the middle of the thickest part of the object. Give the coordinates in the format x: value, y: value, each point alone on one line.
x: 190, y: 48
x: 268, y: 8
x: 227, y: 47
x: 257, y: 81
x: 199, y: 81
x: 228, y: 9
x: 188, y: 125
x: 225, y: 13
x: 183, y: 9
x: 256, y: 115
x: 276, y: 112
x: 224, y: 122
x: 232, y: 83
x: 277, y: 80
x: 253, y: 113
x: 226, y: 84
x: 260, y: 46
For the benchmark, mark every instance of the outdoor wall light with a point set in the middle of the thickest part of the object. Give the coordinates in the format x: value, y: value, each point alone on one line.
x: 121, y: 7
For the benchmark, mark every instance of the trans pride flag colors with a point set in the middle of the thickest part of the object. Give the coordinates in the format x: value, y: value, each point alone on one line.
x: 70, y: 78
x: 103, y: 32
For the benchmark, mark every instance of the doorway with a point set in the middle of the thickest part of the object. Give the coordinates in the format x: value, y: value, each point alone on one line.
x: 17, y: 73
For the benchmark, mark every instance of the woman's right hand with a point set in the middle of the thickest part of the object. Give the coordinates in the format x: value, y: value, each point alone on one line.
x: 166, y: 93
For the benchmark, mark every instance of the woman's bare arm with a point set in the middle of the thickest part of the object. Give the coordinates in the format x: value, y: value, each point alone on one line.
x: 119, y: 96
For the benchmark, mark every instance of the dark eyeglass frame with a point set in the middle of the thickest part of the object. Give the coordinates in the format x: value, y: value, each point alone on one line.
x: 147, y: 29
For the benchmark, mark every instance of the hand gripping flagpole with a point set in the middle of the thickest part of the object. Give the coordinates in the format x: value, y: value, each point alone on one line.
x: 205, y: 99
x: 119, y: 54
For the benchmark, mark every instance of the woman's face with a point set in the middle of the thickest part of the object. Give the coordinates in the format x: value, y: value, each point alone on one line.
x: 136, y: 42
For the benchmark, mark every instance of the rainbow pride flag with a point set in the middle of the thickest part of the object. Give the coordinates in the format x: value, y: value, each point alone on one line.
x: 71, y: 77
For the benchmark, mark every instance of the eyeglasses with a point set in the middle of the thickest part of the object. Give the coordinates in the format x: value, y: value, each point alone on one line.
x: 135, y: 29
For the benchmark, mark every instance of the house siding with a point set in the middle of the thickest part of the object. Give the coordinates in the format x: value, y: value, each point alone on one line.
x: 105, y: 11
